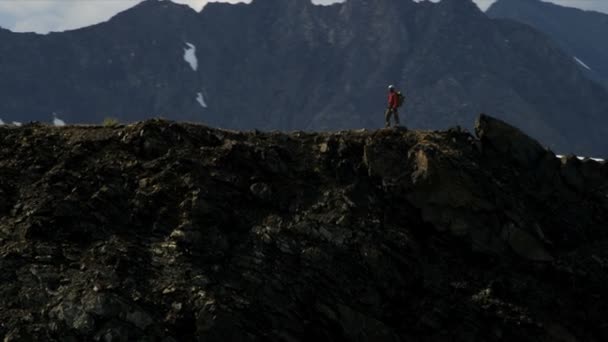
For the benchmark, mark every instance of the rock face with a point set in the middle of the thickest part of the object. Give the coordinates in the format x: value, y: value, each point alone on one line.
x: 288, y: 64
x: 177, y: 232
x: 508, y: 140
x: 582, y: 34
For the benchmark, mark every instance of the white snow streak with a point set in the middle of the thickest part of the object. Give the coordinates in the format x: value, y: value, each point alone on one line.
x: 190, y: 56
x: 583, y: 158
x: 57, y: 121
x: 1, y: 122
x: 201, y: 100
x: 582, y: 63
x: 17, y: 123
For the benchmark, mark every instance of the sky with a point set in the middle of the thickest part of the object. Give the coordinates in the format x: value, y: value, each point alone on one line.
x: 43, y: 16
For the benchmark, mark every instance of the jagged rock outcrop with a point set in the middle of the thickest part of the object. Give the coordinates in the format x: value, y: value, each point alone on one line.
x: 171, y: 232
x: 292, y: 65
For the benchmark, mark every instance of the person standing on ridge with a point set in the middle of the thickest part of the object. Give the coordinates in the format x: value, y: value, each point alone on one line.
x: 394, y: 103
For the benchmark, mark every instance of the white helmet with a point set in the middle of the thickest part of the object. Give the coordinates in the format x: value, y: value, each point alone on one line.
x: 391, y: 87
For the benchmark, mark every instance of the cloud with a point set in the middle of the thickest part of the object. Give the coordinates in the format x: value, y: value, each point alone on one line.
x: 58, y: 15
x: 595, y: 5
x: 199, y: 4
x: 43, y: 16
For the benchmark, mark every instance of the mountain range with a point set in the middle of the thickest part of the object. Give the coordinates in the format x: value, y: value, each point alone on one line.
x: 582, y: 34
x: 292, y: 65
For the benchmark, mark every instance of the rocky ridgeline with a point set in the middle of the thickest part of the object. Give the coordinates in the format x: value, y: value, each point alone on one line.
x: 322, y: 68
x: 175, y: 232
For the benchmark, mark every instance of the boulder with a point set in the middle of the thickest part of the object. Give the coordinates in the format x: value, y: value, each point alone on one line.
x: 509, y: 141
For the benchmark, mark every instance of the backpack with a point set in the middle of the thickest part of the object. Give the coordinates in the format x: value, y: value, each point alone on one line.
x: 401, y: 99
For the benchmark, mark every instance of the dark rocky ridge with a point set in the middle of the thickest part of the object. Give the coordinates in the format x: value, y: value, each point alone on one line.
x: 173, y: 232
x: 291, y: 65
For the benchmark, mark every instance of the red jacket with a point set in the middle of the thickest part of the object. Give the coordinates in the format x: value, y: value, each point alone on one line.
x: 393, y: 100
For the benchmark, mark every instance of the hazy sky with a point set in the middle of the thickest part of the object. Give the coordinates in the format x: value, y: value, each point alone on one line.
x: 58, y: 15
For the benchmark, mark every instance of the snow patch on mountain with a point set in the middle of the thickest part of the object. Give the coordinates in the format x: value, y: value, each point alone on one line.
x: 190, y: 56
x: 57, y: 121
x: 201, y: 100
x: 582, y: 63
x: 1, y: 122
x: 583, y: 158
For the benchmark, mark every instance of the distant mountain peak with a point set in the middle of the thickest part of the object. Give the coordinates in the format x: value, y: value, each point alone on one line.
x: 155, y: 5
x: 154, y: 10
x: 520, y: 4
x: 460, y: 6
x: 580, y: 33
x: 282, y: 3
x: 521, y: 1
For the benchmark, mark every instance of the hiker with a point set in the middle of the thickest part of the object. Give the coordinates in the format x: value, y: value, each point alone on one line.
x: 395, y: 99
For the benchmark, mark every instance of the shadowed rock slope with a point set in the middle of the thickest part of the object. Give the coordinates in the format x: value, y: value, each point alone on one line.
x: 582, y: 34
x: 173, y: 232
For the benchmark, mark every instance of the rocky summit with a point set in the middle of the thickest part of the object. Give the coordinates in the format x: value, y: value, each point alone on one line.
x: 160, y: 231
x: 292, y: 65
